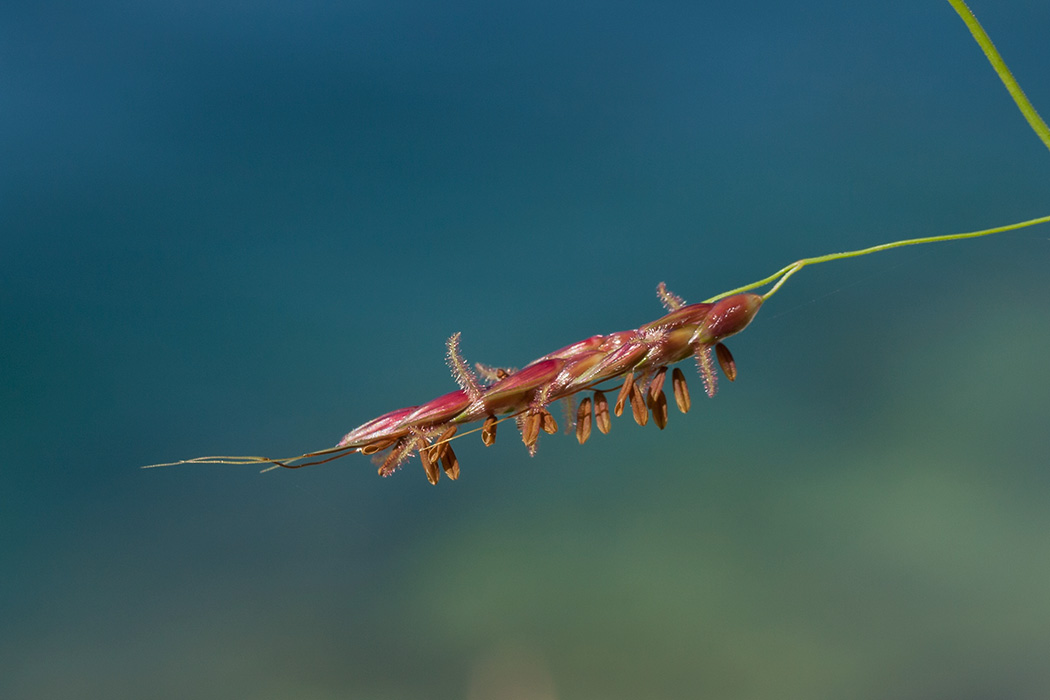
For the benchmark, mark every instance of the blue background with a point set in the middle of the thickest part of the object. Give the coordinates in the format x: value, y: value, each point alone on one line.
x: 245, y: 228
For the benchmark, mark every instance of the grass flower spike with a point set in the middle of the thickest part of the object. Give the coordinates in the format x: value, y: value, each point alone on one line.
x: 632, y: 363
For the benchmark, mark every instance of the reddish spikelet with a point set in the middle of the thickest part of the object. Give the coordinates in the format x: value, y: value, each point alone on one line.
x: 518, y: 391
x: 385, y: 427
x: 728, y: 317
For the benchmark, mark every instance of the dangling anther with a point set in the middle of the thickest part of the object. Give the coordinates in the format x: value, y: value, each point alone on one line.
x: 488, y: 431
x: 725, y: 361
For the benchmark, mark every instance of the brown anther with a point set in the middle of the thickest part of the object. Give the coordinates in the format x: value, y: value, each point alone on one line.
x: 437, y: 450
x: 601, y: 413
x: 530, y: 429
x: 547, y: 422
x: 450, y: 463
x: 488, y: 431
x: 725, y: 361
x: 583, y: 420
x: 657, y: 385
x: 659, y: 409
x: 433, y: 473
x: 625, y: 391
x: 377, y: 446
x: 681, y: 390
x: 638, y: 407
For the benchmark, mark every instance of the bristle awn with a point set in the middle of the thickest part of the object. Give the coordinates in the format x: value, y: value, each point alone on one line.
x: 401, y: 451
x: 704, y: 363
x: 601, y: 413
x: 583, y: 420
x: 568, y: 414
x: 726, y: 362
x: 670, y: 300
x: 461, y: 371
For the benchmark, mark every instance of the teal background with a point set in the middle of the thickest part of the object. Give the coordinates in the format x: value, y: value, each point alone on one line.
x: 245, y: 228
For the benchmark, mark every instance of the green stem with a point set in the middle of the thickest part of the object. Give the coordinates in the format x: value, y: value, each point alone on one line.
x: 780, y: 276
x: 1034, y: 120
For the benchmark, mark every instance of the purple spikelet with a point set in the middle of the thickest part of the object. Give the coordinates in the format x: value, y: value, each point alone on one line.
x: 461, y: 371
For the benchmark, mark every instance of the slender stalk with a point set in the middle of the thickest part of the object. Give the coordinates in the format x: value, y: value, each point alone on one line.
x: 983, y: 40
x: 780, y: 276
x: 1034, y: 120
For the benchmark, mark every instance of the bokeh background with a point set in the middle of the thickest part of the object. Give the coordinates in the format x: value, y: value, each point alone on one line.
x: 245, y: 228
